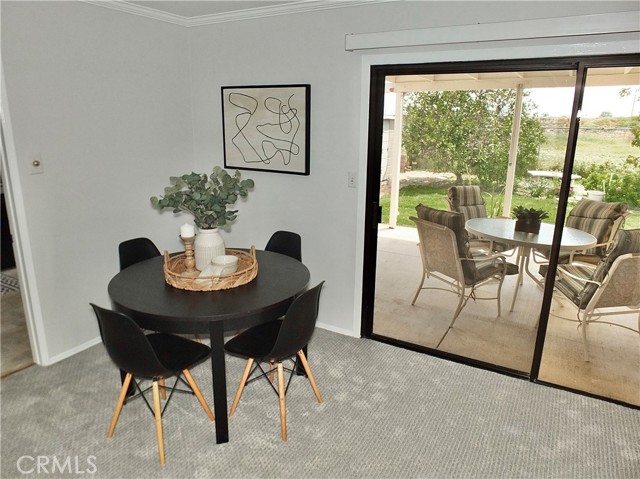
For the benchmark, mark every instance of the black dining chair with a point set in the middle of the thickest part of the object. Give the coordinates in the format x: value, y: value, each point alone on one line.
x: 277, y: 341
x: 287, y: 243
x: 155, y: 356
x: 131, y: 252
x: 135, y: 250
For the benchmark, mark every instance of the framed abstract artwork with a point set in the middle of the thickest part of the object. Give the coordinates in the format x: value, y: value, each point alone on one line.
x: 266, y: 128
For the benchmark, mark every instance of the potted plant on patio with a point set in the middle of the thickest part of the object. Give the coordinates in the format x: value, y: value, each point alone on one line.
x: 206, y: 197
x: 528, y: 220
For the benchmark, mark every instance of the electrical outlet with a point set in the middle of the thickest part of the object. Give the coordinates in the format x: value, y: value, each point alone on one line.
x: 352, y: 180
x: 37, y: 167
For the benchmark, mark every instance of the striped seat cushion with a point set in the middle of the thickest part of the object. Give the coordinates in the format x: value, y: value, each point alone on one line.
x: 579, y: 292
x: 485, y: 268
x: 627, y: 241
x: 596, y: 218
x: 474, y: 271
x: 571, y: 287
x: 455, y: 222
x: 468, y: 201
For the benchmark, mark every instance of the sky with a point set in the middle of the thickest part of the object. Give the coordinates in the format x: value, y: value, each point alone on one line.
x: 558, y: 101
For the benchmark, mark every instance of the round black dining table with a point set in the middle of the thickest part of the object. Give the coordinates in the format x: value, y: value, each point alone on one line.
x: 140, y: 291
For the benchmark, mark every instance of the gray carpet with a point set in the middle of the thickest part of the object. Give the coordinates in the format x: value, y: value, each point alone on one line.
x: 388, y: 413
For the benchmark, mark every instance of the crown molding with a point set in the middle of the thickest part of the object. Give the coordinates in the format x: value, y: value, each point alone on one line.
x: 300, y: 6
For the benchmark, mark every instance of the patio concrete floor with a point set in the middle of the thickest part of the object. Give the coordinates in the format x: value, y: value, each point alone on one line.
x: 614, y: 367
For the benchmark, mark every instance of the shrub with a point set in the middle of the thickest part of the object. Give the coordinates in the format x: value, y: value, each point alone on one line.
x: 536, y: 188
x: 620, y: 182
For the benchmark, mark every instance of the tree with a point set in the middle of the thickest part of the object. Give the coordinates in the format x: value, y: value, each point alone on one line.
x: 469, y: 132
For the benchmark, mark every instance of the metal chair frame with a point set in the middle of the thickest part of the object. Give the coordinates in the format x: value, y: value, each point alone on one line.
x: 622, y: 269
x: 451, y: 272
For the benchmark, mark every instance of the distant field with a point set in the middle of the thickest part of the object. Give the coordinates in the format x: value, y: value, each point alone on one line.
x: 594, y: 146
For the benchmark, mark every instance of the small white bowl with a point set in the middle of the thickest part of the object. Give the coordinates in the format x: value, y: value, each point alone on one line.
x: 225, y: 264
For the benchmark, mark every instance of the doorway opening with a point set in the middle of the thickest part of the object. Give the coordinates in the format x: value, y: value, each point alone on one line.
x: 15, y: 349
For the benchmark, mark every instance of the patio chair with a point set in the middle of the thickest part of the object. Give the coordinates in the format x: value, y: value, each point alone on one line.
x: 613, y: 283
x: 600, y: 219
x: 446, y: 256
x: 468, y: 200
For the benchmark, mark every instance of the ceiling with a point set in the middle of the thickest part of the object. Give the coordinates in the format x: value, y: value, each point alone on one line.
x: 203, y: 12
x: 191, y: 8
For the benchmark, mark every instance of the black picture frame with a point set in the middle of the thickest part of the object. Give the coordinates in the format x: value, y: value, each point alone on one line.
x: 266, y: 128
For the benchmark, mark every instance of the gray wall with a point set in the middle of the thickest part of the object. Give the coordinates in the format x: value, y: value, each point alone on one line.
x: 116, y: 103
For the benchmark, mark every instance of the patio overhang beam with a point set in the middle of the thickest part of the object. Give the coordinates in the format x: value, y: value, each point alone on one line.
x: 510, y: 80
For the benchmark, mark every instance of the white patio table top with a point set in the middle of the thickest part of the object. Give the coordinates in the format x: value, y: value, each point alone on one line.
x: 503, y: 230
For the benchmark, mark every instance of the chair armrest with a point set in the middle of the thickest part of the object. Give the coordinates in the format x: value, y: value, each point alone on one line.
x: 539, y: 257
x: 484, y: 257
x: 562, y: 271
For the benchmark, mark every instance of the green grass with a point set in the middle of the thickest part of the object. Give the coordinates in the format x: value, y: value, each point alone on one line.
x: 411, y: 196
x: 593, y: 146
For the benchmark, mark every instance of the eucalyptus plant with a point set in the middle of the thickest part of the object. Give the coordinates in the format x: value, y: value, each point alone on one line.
x: 206, y: 197
x: 529, y: 215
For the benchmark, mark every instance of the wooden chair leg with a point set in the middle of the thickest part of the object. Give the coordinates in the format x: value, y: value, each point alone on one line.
x: 307, y: 369
x: 243, y: 381
x: 121, y: 398
x: 283, y: 404
x: 196, y: 391
x: 272, y: 368
x: 158, y: 414
x: 163, y: 390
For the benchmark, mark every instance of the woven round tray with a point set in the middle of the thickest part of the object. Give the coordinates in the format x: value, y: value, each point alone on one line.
x: 175, y: 273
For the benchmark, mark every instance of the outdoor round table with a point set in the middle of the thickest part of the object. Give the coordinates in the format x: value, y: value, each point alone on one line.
x: 503, y: 231
x: 140, y: 291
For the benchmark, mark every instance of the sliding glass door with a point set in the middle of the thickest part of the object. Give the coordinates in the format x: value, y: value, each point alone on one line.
x: 605, y: 361
x: 509, y: 129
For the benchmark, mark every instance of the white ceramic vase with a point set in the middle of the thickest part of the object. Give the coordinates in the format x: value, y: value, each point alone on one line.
x: 208, y: 243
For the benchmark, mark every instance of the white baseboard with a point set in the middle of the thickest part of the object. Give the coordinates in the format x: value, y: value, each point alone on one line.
x: 335, y: 329
x: 71, y: 352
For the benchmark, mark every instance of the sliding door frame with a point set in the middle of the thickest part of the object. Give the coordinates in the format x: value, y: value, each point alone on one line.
x: 378, y: 73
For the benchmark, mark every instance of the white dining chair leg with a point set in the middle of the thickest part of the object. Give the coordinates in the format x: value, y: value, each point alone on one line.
x: 424, y: 274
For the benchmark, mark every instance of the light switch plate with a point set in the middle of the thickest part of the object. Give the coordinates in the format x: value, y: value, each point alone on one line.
x: 352, y: 180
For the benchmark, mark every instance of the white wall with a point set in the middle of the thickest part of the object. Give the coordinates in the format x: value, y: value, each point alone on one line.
x: 117, y: 103
x: 102, y: 96
x: 310, y: 49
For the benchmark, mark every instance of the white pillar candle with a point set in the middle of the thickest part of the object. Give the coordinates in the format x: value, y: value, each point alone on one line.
x: 187, y: 231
